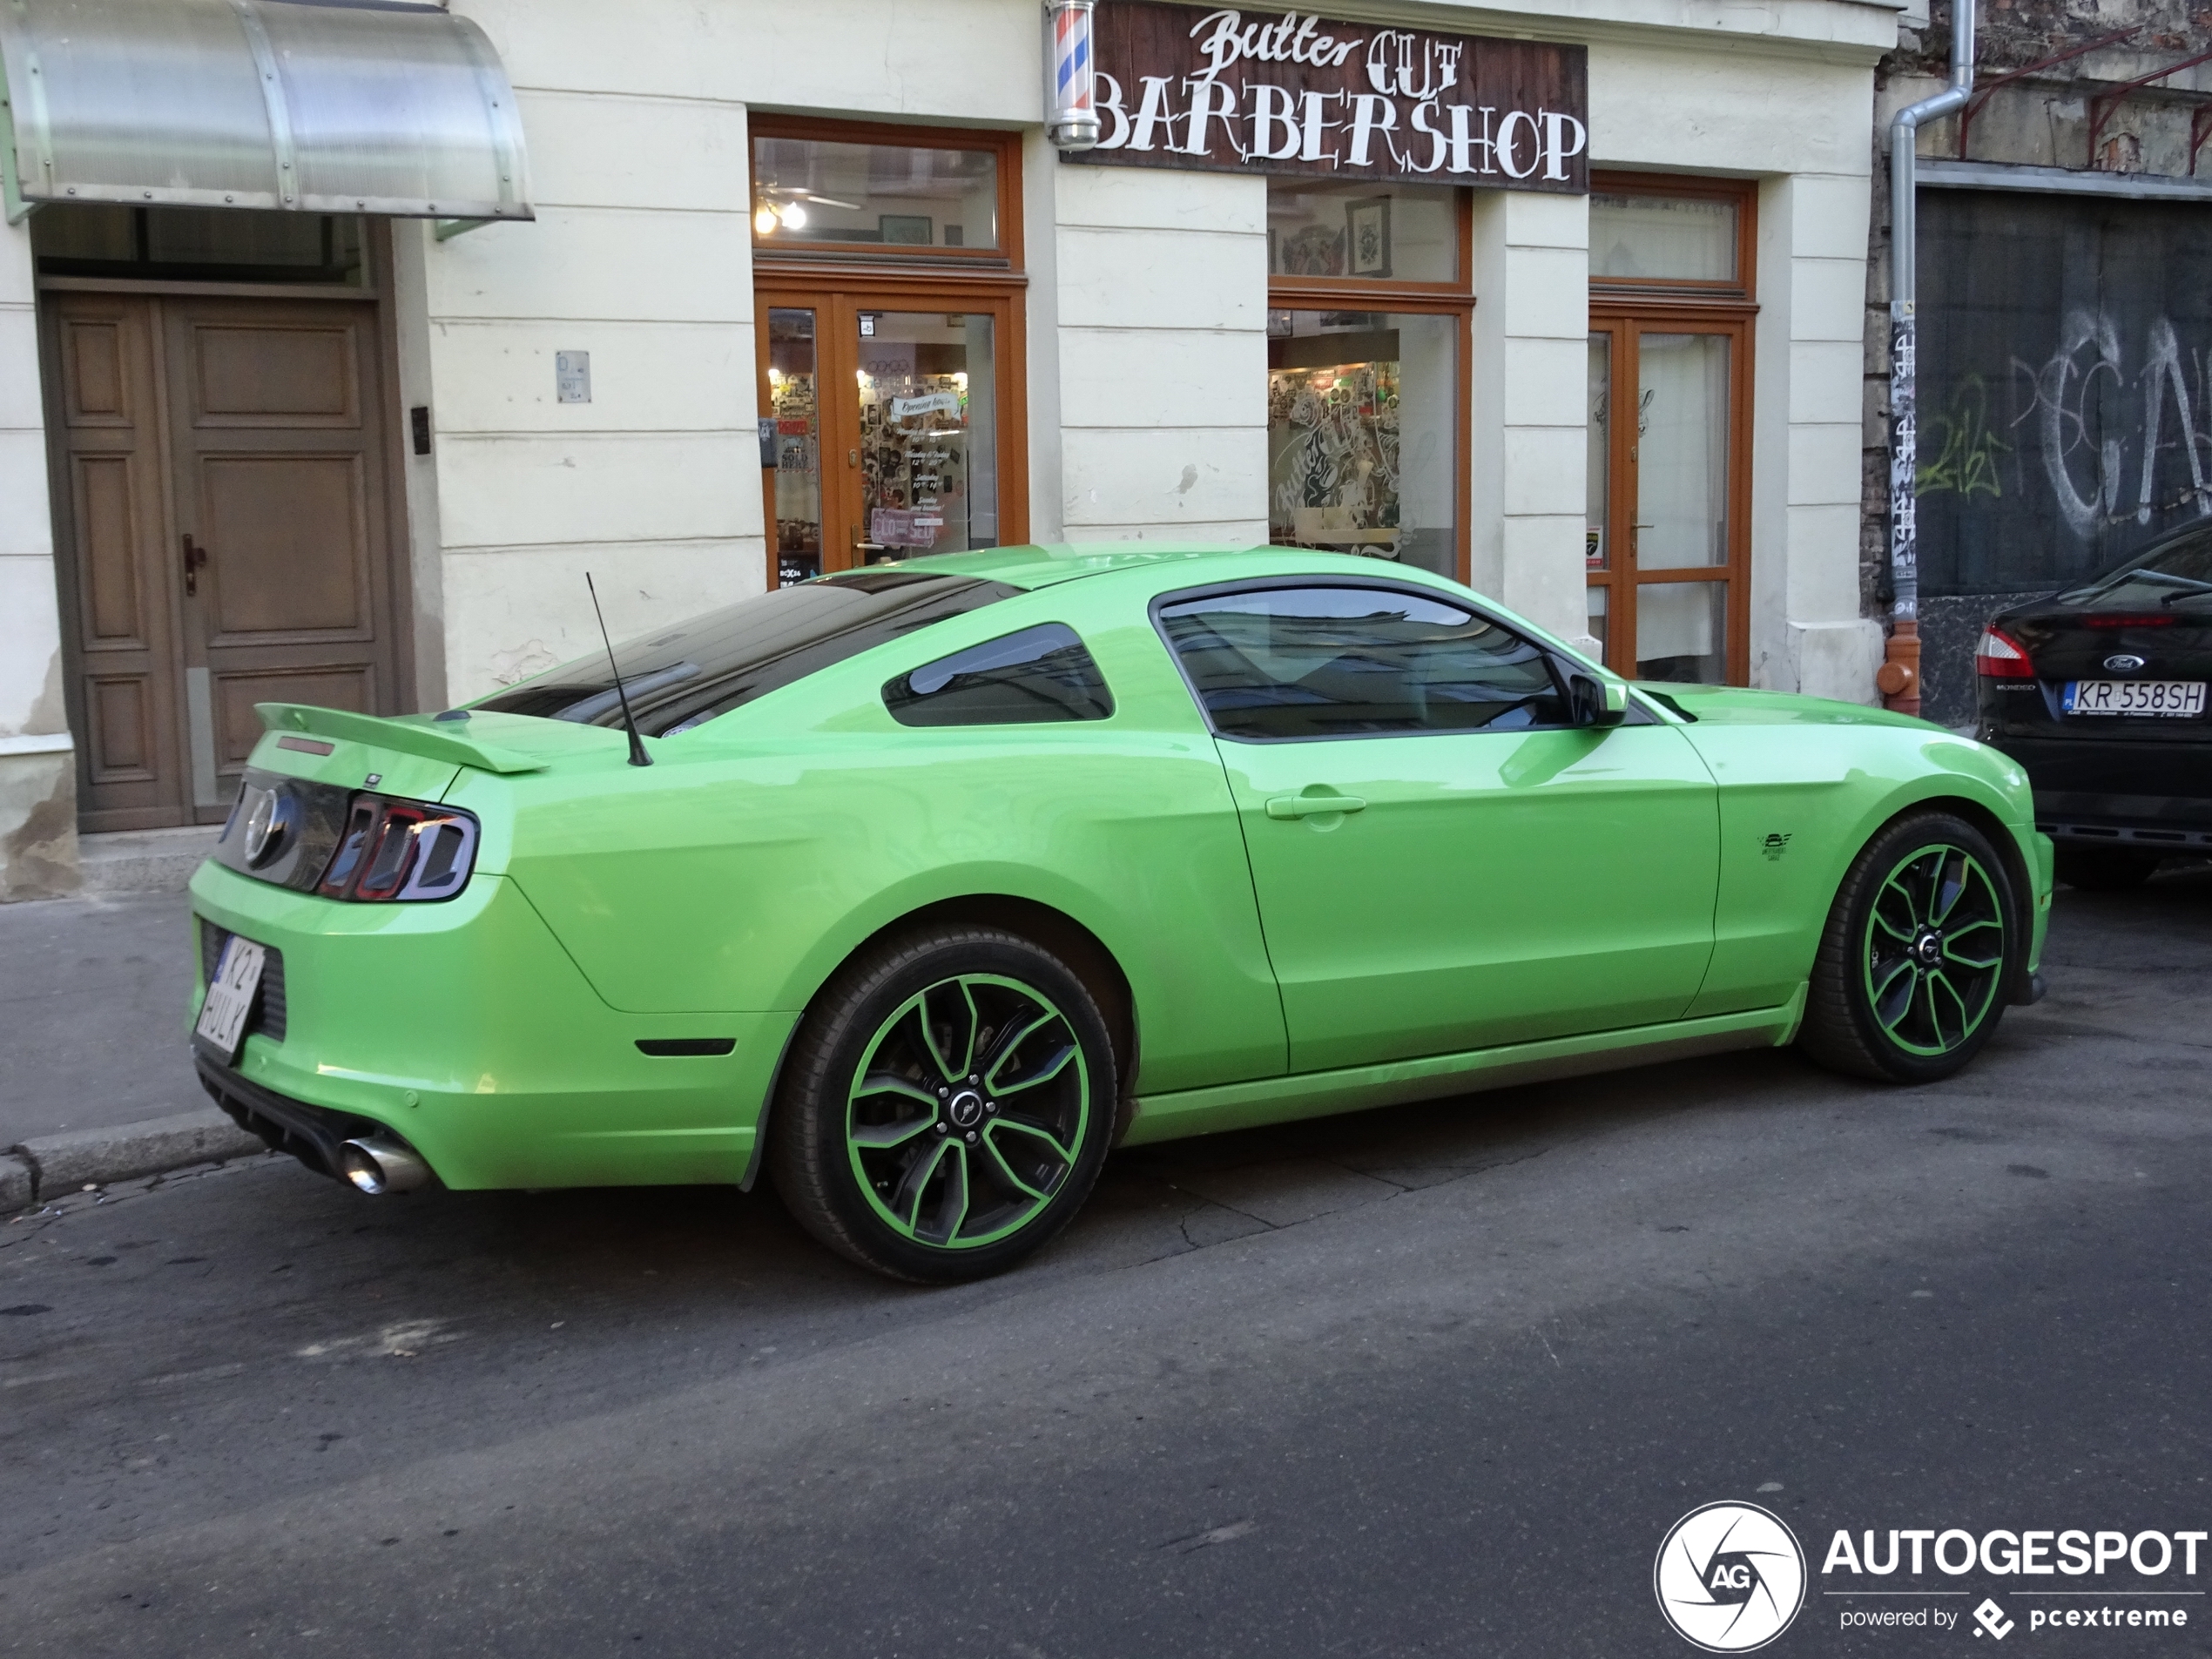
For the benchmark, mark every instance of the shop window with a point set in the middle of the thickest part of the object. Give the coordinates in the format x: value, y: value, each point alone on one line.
x: 1362, y: 408
x: 1365, y: 232
x: 1669, y: 390
x: 1370, y: 296
x: 196, y: 244
x: 905, y: 196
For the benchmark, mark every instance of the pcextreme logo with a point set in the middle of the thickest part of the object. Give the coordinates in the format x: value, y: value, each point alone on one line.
x: 1729, y: 1577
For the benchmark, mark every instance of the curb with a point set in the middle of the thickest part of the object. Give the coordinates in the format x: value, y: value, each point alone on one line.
x: 53, y: 1164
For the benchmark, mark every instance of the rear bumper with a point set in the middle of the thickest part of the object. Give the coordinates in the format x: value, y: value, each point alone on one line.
x: 466, y: 1030
x: 311, y: 1134
x: 2151, y: 795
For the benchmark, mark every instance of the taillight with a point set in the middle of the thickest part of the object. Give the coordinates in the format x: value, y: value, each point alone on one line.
x: 2000, y: 657
x: 396, y: 851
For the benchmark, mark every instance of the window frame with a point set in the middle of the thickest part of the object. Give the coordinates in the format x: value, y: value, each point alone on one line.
x: 813, y: 255
x: 1741, y: 193
x: 1555, y: 663
x: 1455, y: 299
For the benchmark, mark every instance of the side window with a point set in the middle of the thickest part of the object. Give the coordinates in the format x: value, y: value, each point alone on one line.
x: 1042, y: 673
x: 1346, y: 662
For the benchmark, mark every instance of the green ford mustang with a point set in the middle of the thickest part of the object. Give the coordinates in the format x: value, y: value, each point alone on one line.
x: 922, y: 885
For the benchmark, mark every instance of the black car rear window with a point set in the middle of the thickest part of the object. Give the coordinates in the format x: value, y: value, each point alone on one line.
x: 683, y: 676
x: 2178, y: 572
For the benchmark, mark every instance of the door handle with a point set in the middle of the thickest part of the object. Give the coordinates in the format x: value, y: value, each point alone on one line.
x: 1311, y: 806
x: 195, y: 561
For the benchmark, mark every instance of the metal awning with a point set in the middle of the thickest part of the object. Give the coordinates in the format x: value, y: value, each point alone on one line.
x: 321, y: 107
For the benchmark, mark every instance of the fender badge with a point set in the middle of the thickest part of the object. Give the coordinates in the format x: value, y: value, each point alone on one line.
x: 371, y: 781
x: 1774, y: 847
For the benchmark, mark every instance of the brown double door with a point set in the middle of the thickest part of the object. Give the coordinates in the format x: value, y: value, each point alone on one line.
x: 887, y: 427
x: 223, y: 533
x: 1670, y: 494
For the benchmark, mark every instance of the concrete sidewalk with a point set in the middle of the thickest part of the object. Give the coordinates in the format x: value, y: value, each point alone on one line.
x: 93, y: 995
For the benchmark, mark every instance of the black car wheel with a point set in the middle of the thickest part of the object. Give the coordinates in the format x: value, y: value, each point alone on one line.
x: 1919, y: 948
x: 2104, y: 869
x: 947, y: 1105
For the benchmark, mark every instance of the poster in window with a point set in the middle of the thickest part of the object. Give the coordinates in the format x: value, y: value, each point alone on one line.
x: 1366, y: 227
x: 908, y: 230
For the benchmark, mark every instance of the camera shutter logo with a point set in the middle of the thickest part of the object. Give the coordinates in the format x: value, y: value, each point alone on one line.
x: 1729, y: 1577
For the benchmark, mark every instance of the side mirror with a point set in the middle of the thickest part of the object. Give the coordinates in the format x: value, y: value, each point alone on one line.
x: 1591, y: 701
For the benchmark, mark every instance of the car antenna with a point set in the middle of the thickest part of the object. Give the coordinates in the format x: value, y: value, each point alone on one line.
x: 638, y: 755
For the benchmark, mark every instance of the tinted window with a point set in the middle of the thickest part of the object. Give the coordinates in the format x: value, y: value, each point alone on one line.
x: 683, y: 676
x: 2178, y: 573
x: 1341, y: 662
x: 1042, y: 673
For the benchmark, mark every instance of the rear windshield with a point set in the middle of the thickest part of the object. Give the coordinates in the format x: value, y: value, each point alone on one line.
x: 2179, y: 573
x: 684, y: 676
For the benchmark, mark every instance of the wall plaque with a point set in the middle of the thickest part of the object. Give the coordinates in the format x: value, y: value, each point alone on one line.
x: 1231, y: 92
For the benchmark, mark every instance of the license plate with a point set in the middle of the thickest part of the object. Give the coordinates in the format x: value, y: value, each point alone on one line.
x: 229, y: 997
x: 2134, y: 697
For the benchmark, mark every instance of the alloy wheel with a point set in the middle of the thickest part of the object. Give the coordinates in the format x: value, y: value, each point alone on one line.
x: 1934, y: 950
x: 967, y: 1111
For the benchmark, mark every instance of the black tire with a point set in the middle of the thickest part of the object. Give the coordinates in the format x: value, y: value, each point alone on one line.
x: 1907, y: 997
x: 970, y: 1154
x: 2104, y: 869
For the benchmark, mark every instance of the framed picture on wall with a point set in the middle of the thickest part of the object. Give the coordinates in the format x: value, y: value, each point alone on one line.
x: 1366, y: 225
x: 911, y: 230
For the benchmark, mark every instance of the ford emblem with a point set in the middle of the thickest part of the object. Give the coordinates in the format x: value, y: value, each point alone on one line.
x: 2123, y: 663
x: 269, y: 823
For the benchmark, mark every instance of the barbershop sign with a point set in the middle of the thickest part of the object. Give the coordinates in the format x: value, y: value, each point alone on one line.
x: 1289, y: 93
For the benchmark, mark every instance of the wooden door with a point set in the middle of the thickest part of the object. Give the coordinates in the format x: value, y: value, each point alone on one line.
x: 1669, y: 492
x: 120, y: 578
x: 279, y: 460
x: 891, y: 425
x: 223, y: 533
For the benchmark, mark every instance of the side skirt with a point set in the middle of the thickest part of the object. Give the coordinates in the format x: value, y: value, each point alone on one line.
x: 1317, y: 1094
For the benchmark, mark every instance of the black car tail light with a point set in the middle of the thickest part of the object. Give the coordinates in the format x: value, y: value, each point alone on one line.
x: 400, y: 851
x: 2000, y: 657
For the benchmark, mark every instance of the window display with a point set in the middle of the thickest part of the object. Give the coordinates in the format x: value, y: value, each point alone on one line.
x: 928, y: 434
x: 795, y: 443
x: 1361, y: 411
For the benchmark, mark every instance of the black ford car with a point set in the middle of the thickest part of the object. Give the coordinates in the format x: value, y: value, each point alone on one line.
x: 2100, y: 692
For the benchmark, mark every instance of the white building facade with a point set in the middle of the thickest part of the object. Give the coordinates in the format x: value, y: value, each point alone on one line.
x: 807, y: 286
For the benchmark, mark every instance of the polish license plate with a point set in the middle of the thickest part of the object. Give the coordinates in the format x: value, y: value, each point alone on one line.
x: 230, y: 998
x: 2134, y: 697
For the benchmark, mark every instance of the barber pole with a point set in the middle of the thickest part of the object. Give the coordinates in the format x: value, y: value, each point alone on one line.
x: 1071, y: 114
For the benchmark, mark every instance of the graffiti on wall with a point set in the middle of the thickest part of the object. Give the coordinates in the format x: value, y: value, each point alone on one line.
x: 2066, y: 385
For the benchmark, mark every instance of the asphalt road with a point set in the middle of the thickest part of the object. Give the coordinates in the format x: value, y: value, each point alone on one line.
x: 1434, y: 1380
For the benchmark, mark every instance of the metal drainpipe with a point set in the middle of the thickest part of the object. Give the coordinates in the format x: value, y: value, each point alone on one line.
x: 1899, y: 677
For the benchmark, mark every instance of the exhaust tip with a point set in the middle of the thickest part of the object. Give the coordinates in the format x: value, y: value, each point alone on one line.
x: 375, y: 1165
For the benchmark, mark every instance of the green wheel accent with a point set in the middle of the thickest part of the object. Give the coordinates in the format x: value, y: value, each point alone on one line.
x: 1934, y: 950
x: 968, y: 1111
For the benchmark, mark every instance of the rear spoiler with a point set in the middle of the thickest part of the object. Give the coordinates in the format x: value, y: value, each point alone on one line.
x: 405, y: 736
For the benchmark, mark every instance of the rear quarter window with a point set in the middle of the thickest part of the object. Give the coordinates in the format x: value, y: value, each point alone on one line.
x: 1039, y: 675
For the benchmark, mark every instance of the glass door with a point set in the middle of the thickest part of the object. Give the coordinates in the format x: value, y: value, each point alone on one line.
x: 880, y: 429
x: 1669, y: 487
